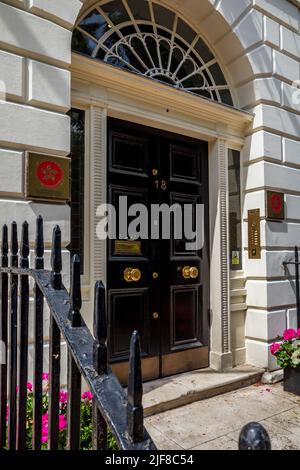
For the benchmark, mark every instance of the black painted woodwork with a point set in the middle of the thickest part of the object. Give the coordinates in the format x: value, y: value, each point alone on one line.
x: 134, y: 151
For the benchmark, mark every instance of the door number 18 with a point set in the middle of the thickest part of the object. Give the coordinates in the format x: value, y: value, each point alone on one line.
x: 162, y: 184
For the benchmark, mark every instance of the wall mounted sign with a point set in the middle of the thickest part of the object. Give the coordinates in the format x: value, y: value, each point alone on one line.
x: 47, y: 177
x: 275, y: 209
x: 254, y: 244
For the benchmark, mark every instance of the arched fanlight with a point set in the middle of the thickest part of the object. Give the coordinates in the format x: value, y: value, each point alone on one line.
x: 148, y: 39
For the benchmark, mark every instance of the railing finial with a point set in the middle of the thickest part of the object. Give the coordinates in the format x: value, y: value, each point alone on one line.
x: 39, y: 243
x: 24, y: 261
x: 100, y: 329
x: 253, y: 436
x: 14, y: 245
x: 75, y: 293
x: 56, y: 260
x: 4, y: 255
x: 135, y: 414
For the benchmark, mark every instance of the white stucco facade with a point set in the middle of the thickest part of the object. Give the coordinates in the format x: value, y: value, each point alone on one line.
x: 257, y: 43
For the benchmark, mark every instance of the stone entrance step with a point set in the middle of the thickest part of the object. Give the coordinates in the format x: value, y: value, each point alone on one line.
x: 179, y: 390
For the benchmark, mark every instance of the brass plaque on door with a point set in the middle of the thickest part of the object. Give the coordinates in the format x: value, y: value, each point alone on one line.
x: 254, y: 243
x: 128, y: 248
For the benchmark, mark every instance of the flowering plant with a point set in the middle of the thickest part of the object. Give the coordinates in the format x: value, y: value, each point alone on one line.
x: 86, y: 418
x: 287, y: 352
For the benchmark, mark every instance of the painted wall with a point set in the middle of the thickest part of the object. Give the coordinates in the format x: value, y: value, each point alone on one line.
x: 258, y: 44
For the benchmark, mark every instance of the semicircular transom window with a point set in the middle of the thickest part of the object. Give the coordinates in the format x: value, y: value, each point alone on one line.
x: 148, y: 39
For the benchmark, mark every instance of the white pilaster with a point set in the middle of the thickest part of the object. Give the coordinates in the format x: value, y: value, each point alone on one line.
x: 98, y: 117
x: 220, y: 349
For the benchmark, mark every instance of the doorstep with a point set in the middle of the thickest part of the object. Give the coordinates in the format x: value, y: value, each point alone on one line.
x: 179, y: 390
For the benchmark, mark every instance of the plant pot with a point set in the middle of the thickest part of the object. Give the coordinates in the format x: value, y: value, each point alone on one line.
x: 291, y: 380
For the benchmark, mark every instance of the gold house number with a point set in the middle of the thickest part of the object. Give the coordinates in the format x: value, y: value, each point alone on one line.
x: 162, y: 184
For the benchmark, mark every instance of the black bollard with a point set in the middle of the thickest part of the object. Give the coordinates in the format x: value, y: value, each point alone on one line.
x: 253, y: 436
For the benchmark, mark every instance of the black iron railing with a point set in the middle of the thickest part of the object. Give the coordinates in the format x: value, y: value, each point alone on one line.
x: 113, y: 409
x: 295, y: 263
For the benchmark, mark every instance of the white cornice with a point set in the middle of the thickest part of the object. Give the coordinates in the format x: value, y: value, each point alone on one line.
x: 217, y: 118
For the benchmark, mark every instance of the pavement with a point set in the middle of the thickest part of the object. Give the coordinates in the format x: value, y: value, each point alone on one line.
x: 215, y: 423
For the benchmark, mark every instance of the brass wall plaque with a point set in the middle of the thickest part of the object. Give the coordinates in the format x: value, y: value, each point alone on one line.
x: 254, y: 244
x: 128, y: 247
x: 47, y: 177
x: 275, y: 209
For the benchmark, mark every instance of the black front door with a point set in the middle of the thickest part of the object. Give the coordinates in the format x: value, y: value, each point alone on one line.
x: 156, y: 286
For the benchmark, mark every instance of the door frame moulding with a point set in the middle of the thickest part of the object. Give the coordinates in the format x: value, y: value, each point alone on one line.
x: 103, y: 90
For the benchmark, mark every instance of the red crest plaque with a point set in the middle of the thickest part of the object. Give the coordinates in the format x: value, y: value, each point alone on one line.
x: 275, y: 209
x: 48, y: 177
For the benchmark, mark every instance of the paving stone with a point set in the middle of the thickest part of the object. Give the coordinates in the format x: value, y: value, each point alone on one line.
x: 213, y: 423
x: 161, y: 440
x: 289, y: 420
x: 222, y: 443
x: 278, y: 389
x: 281, y: 439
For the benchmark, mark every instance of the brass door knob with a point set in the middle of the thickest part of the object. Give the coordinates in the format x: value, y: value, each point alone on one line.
x: 194, y: 272
x: 189, y: 272
x: 132, y: 275
x: 155, y: 315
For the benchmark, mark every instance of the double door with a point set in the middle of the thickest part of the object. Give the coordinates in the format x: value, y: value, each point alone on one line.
x: 156, y: 283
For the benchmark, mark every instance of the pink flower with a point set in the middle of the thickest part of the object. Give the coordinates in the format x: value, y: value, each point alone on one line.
x: 87, y: 396
x: 45, y: 376
x: 63, y: 396
x: 298, y: 332
x: 29, y: 387
x: 45, y: 428
x: 289, y: 334
x: 62, y: 422
x: 274, y: 348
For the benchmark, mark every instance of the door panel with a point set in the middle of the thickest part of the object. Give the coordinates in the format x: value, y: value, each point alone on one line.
x: 167, y: 301
x: 129, y: 312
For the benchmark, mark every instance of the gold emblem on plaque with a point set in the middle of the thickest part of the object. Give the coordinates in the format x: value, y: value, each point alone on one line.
x: 254, y: 242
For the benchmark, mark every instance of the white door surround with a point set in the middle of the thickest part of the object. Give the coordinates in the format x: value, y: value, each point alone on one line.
x: 103, y: 90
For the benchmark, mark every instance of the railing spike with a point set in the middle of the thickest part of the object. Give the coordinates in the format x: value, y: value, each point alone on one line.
x: 75, y: 293
x: 254, y: 436
x: 39, y: 243
x: 135, y: 414
x: 100, y: 329
x: 24, y: 246
x: 4, y: 255
x: 56, y: 259
x: 14, y: 245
